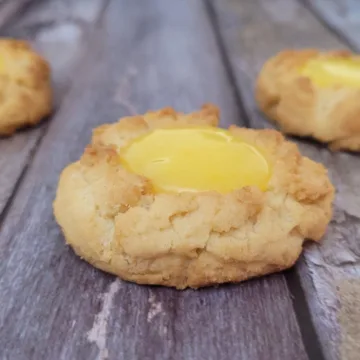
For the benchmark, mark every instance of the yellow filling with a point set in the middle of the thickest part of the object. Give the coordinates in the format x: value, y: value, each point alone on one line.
x: 334, y: 71
x: 196, y: 159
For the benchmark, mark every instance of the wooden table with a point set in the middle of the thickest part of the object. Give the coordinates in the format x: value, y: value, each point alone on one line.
x: 120, y: 57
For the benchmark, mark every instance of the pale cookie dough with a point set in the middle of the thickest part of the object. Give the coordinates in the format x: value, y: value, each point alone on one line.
x: 301, y: 106
x: 114, y: 220
x: 25, y: 88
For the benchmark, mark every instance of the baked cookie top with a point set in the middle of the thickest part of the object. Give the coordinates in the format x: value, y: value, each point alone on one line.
x: 313, y: 93
x: 25, y: 89
x: 149, y: 231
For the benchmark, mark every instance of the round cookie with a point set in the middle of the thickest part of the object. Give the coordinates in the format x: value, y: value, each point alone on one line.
x: 120, y: 222
x: 25, y: 86
x: 313, y: 94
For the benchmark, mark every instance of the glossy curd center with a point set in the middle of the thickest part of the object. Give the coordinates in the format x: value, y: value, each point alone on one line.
x: 196, y: 159
x: 333, y: 71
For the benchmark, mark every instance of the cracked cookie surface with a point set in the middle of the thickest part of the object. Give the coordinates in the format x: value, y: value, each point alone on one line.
x: 313, y: 94
x: 116, y: 221
x: 25, y: 86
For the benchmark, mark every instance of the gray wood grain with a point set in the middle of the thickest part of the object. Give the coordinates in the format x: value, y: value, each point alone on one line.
x: 9, y: 9
x: 59, y: 30
x: 342, y: 16
x: 55, y: 306
x: 252, y: 32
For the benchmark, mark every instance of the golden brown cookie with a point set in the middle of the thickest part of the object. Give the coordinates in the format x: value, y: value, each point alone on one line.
x: 170, y: 228
x: 313, y: 93
x: 25, y: 89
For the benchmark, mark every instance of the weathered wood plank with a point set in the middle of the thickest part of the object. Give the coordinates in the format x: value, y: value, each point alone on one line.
x: 9, y: 9
x: 59, y: 30
x: 342, y: 16
x: 158, y: 54
x: 253, y: 31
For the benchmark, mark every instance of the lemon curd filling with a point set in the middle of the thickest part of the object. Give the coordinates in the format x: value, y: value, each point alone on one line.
x: 333, y: 71
x: 196, y: 159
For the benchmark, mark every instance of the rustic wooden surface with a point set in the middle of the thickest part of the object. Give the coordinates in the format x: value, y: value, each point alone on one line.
x: 341, y: 16
x: 114, y: 58
x: 324, y: 267
x: 9, y: 10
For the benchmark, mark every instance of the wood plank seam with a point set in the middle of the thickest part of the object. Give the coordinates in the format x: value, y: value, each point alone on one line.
x: 332, y: 28
x: 305, y: 323
x: 9, y: 10
x: 226, y: 61
x: 303, y: 314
